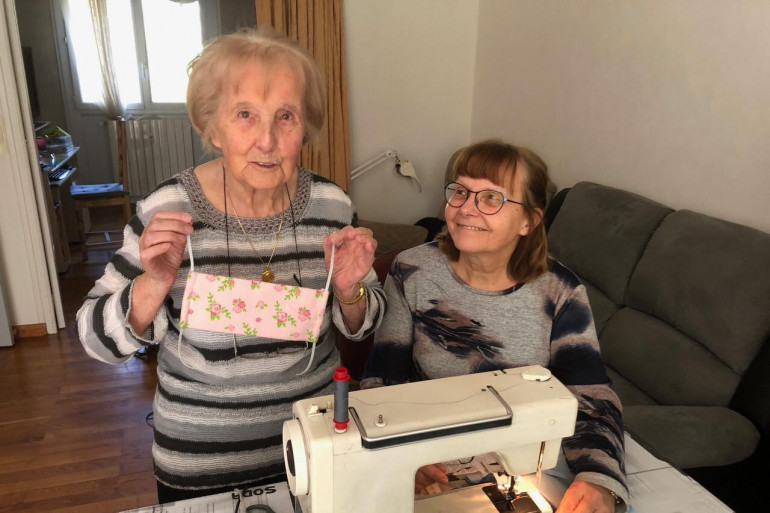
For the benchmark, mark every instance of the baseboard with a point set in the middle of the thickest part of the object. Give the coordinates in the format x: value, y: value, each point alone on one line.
x: 29, y: 331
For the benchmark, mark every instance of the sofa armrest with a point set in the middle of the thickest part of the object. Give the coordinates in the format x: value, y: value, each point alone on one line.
x: 553, y: 207
x: 752, y: 398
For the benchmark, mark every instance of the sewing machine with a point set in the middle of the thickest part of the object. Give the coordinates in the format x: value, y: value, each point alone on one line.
x: 520, y: 414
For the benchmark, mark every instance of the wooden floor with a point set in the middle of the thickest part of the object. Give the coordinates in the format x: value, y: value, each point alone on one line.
x: 73, y: 434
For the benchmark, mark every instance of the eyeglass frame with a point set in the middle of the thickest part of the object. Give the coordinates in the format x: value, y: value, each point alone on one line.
x: 476, y: 198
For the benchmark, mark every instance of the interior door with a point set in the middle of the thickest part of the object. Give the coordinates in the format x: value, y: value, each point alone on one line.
x: 29, y: 271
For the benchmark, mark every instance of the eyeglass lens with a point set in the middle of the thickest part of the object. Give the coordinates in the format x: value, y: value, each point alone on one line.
x: 488, y: 202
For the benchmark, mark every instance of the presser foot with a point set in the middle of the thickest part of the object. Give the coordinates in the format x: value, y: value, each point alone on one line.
x: 517, y: 503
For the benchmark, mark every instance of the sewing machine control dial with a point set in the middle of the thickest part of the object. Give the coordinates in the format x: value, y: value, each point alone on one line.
x: 536, y: 373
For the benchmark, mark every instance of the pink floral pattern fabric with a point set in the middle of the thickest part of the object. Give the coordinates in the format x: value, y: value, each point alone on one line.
x: 254, y: 308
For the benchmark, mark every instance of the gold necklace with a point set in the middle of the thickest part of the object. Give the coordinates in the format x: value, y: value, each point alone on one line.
x: 267, y: 275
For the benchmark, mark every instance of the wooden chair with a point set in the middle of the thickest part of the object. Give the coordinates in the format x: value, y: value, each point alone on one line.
x: 104, y: 195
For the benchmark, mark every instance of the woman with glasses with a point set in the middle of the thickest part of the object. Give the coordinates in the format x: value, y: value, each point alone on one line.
x: 254, y: 217
x: 486, y: 296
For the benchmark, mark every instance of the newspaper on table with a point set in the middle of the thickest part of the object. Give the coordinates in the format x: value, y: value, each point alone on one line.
x: 272, y: 498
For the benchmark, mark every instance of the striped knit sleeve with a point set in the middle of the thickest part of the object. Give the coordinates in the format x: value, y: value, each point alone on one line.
x: 390, y: 360
x: 102, y: 320
x: 374, y: 295
x: 375, y: 309
x: 595, y: 453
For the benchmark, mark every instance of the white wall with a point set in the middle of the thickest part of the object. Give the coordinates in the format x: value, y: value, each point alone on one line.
x: 410, y: 87
x: 667, y: 99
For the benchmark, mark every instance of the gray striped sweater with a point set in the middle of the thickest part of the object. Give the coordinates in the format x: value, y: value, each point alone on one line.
x: 218, y: 422
x: 437, y: 326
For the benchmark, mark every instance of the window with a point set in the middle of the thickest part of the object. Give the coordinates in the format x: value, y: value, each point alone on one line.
x: 152, y: 43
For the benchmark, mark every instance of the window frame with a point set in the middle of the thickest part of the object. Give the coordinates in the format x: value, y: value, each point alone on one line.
x: 210, y: 22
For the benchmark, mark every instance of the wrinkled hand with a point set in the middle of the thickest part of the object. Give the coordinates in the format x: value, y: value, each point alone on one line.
x: 353, y: 258
x: 428, y: 475
x: 582, y: 497
x: 162, y: 245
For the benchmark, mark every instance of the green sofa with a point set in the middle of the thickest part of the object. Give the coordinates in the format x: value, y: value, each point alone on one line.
x: 681, y: 303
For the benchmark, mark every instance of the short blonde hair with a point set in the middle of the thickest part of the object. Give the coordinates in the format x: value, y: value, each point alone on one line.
x: 210, y: 68
x: 499, y: 162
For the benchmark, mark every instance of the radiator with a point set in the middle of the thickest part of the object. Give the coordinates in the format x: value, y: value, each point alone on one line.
x: 156, y: 150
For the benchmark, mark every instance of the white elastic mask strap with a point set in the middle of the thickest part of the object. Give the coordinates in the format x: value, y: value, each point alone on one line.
x: 331, y: 269
x: 181, y: 330
x: 189, y: 252
x: 328, y: 281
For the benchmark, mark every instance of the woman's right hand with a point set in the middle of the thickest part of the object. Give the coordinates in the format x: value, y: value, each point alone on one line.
x: 161, y: 249
x: 162, y: 245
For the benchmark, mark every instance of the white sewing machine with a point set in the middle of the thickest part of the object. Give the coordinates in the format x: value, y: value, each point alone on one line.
x: 521, y: 414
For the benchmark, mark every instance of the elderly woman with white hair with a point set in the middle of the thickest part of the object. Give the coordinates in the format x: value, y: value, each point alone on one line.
x: 251, y: 221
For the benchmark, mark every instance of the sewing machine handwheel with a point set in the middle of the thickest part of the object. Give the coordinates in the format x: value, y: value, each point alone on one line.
x: 536, y: 373
x: 295, y: 457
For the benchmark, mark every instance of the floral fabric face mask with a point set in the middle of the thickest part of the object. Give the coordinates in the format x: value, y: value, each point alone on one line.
x: 253, y: 308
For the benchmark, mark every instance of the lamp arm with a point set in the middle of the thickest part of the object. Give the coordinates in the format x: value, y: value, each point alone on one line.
x: 369, y: 164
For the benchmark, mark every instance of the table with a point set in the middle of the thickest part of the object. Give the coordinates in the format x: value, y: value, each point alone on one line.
x: 655, y: 486
x: 275, y: 495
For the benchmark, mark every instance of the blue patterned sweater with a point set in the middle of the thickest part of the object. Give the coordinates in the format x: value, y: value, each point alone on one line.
x: 438, y: 326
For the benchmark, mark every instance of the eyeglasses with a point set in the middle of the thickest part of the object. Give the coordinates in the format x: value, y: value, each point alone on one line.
x: 488, y: 202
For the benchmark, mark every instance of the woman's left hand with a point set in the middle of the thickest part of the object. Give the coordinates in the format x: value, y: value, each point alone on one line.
x: 582, y: 497
x: 353, y: 258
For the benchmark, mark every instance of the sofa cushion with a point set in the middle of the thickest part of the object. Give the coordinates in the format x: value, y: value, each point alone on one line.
x: 600, y: 234
x: 664, y: 363
x: 677, y: 434
x: 708, y: 278
x: 602, y: 307
x: 628, y: 393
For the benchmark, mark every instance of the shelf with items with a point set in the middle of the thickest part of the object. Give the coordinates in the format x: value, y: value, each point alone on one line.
x: 40, y: 125
x: 59, y: 168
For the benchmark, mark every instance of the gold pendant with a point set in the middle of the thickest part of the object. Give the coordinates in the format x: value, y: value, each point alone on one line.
x: 267, y: 275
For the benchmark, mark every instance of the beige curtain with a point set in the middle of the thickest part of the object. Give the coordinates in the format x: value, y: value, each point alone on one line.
x: 318, y: 26
x: 111, y: 104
